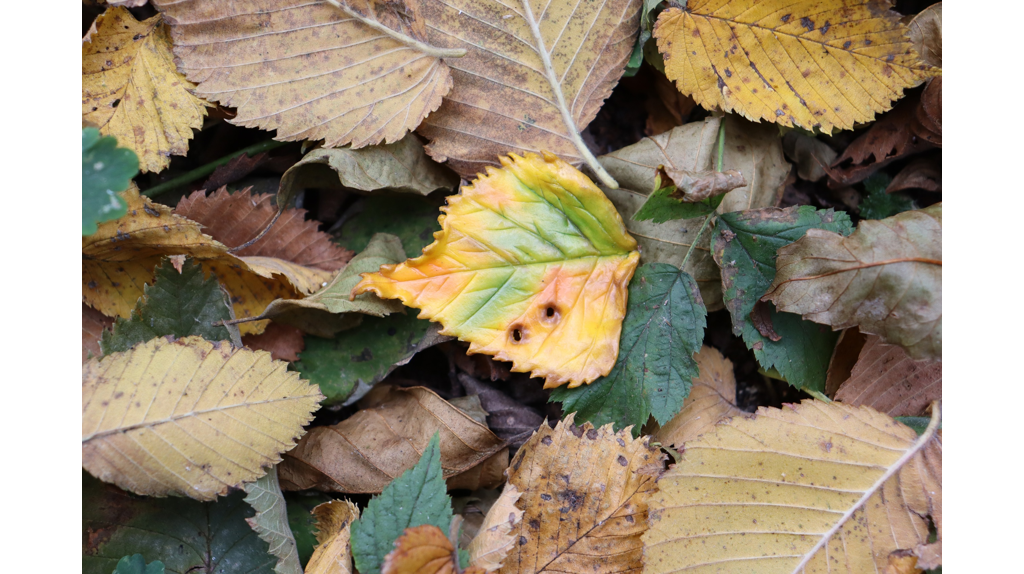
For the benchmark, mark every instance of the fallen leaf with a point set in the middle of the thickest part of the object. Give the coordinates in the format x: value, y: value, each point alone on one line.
x: 237, y: 218
x: 424, y: 550
x: 886, y: 379
x: 234, y: 170
x: 470, y: 404
x: 886, y: 278
x: 878, y: 203
x: 687, y: 194
x: 646, y: 25
x: 925, y: 33
x: 922, y: 173
x: 495, y: 539
x: 663, y: 329
x: 206, y: 536
x: 511, y: 420
x: 366, y: 451
x: 531, y: 80
x: 712, y: 399
x: 107, y: 170
x: 334, y: 524
x: 585, y: 501
x: 524, y: 292
x: 844, y: 357
x: 271, y: 521
x: 283, y: 342
x: 927, y: 123
x: 302, y: 522
x: 132, y: 90
x: 178, y: 304
x: 796, y: 64
x: 745, y: 245
x: 415, y: 498
x: 799, y: 489
x: 94, y: 324
x: 810, y: 155
x: 350, y: 73
x: 666, y: 107
x: 198, y: 447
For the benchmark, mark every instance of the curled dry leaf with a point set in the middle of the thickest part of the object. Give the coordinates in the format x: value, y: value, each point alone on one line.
x: 712, y: 398
x: 698, y: 186
x: 531, y: 266
x: 365, y: 452
x: 925, y: 32
x: 886, y: 278
x: 424, y: 550
x: 494, y: 539
x: 585, y: 500
x: 886, y: 379
x: 922, y: 173
x: 189, y: 417
x: 533, y: 77
x: 333, y: 555
x: 806, y: 64
x: 93, y: 325
x: 798, y: 490
x: 132, y: 90
x: 346, y: 74
x: 271, y: 522
x: 810, y: 155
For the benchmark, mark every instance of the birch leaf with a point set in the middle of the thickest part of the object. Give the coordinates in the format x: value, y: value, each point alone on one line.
x: 533, y: 77
x: 132, y: 90
x: 805, y: 489
x: 806, y: 63
x: 531, y: 266
x: 333, y: 555
x: 886, y: 278
x: 188, y: 417
x: 271, y: 522
x: 347, y: 74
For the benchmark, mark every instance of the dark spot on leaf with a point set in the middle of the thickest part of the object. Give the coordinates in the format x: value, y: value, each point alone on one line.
x: 786, y: 18
x: 592, y: 434
x: 545, y: 496
x: 114, y: 103
x: 622, y: 460
x: 807, y: 23
x: 522, y: 540
x: 546, y: 440
x: 847, y: 44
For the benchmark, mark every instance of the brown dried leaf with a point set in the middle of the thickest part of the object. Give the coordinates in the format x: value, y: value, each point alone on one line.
x: 235, y: 170
x: 283, y: 342
x: 494, y: 538
x: 889, y: 381
x: 667, y: 108
x: 890, y: 138
x: 921, y: 173
x: 585, y: 502
x: 810, y: 155
x: 928, y: 115
x: 93, y: 324
x: 712, y: 399
x: 507, y: 417
x: 366, y: 451
x: 424, y: 550
x: 692, y: 187
x: 310, y: 70
x: 844, y: 357
x: 333, y: 524
x: 925, y: 32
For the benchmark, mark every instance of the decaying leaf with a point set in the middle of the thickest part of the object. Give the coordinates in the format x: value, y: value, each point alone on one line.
x: 107, y: 170
x: 333, y: 555
x: 283, y: 342
x: 687, y: 194
x: 924, y: 172
x: 805, y: 63
x: 495, y: 539
x: 808, y: 488
x: 886, y: 278
x: 94, y: 324
x: 366, y: 451
x: 584, y: 498
x: 886, y: 379
x: 511, y: 420
x: 810, y: 155
x: 132, y: 90
x: 925, y: 32
x: 531, y: 266
x: 350, y: 73
x: 532, y: 78
x: 189, y: 417
x: 271, y: 522
x: 712, y: 399
x: 424, y: 550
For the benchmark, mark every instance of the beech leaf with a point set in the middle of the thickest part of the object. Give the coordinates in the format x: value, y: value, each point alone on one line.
x: 712, y: 398
x: 531, y: 266
x: 886, y: 379
x: 365, y: 452
x: 798, y: 63
x: 886, y: 278
x: 132, y: 90
x: 333, y: 555
x: 271, y: 521
x: 107, y: 170
x: 585, y: 500
x: 348, y: 73
x: 532, y: 78
x: 189, y: 417
x: 798, y: 489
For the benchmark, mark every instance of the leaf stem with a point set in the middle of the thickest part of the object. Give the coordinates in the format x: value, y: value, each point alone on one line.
x: 721, y: 143
x: 703, y: 226
x: 408, y: 41
x: 207, y: 169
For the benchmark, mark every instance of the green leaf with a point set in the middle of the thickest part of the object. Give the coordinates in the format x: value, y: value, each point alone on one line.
x: 413, y: 219
x: 878, y: 204
x: 919, y: 424
x: 301, y: 520
x: 136, y: 564
x: 107, y: 170
x: 186, y: 535
x: 647, y: 19
x: 664, y: 327
x: 744, y: 245
x: 660, y: 208
x: 179, y: 304
x: 271, y: 521
x: 419, y: 496
x: 359, y: 357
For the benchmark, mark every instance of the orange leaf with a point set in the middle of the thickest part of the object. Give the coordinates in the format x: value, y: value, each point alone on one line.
x: 424, y: 550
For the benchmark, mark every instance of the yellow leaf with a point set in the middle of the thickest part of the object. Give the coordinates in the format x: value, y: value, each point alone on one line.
x: 189, y: 417
x: 585, y: 494
x: 815, y: 64
x: 712, y: 398
x: 132, y: 90
x: 356, y: 73
x: 531, y: 265
x: 119, y: 259
x: 803, y: 489
x: 424, y: 550
x: 533, y: 77
x: 333, y: 555
x: 493, y: 541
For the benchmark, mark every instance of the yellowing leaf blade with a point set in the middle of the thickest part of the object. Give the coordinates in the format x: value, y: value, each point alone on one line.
x: 189, y: 417
x: 334, y: 525
x: 494, y: 540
